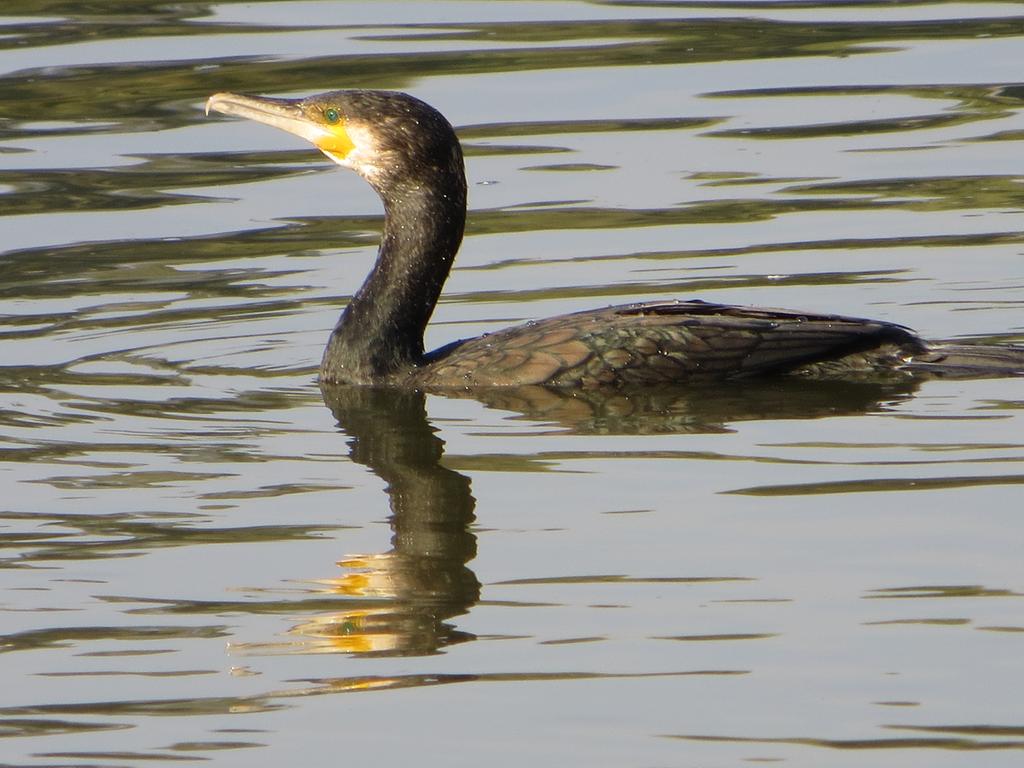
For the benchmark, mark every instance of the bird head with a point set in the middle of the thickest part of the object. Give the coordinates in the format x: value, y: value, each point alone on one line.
x: 388, y: 138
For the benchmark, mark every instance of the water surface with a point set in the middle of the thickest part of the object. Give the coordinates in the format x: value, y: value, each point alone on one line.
x: 204, y: 562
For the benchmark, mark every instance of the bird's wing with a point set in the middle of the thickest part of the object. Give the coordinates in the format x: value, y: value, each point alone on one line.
x: 661, y: 342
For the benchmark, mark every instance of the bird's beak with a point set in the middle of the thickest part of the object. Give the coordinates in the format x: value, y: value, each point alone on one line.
x: 286, y: 114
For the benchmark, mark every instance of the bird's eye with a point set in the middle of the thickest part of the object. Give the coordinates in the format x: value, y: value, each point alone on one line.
x: 331, y: 115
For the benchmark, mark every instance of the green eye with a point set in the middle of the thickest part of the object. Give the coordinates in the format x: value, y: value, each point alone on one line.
x: 331, y: 115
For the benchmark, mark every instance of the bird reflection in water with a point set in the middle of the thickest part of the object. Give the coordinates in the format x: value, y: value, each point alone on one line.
x: 402, y: 601
x: 694, y: 409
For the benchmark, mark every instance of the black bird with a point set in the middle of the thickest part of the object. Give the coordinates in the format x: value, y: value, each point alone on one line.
x: 410, y: 155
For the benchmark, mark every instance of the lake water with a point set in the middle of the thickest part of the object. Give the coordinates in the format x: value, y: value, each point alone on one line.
x: 203, y: 562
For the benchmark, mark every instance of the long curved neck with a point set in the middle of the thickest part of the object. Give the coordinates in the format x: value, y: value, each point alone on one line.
x: 380, y: 333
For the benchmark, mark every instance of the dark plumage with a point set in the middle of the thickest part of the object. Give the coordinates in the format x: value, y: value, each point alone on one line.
x: 410, y: 155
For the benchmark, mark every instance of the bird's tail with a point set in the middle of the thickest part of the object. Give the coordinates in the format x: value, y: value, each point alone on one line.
x: 970, y: 360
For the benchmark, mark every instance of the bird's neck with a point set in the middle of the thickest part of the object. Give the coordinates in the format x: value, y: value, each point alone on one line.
x: 379, y: 337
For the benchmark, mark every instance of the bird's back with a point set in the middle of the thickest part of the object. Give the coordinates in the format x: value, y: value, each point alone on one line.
x: 668, y: 342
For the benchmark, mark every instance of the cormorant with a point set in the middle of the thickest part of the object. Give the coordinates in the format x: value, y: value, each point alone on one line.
x: 410, y: 155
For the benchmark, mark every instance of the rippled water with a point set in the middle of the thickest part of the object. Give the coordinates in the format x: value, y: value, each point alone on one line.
x: 203, y: 562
